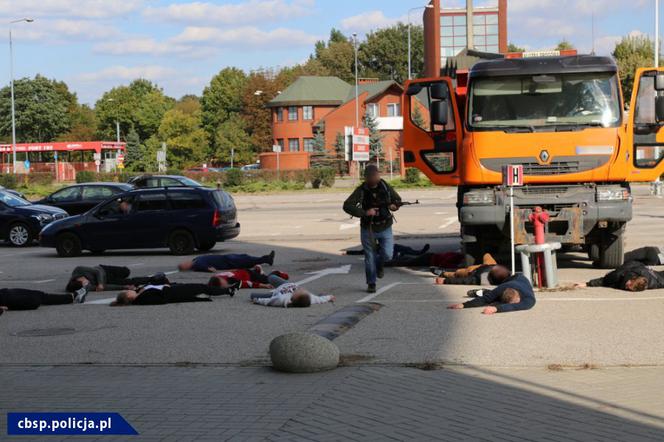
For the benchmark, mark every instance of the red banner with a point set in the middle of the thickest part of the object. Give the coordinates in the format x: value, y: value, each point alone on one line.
x: 96, y: 146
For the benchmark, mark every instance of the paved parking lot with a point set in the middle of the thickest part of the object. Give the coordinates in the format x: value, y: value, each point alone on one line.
x: 592, y: 328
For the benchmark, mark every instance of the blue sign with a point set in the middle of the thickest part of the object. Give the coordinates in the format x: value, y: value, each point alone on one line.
x: 45, y: 424
x: 26, y: 163
x: 55, y: 155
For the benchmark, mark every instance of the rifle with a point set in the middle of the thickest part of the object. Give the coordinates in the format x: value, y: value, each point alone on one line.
x: 407, y: 203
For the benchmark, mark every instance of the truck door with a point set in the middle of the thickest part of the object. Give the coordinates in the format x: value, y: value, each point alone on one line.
x: 432, y: 130
x: 645, y: 129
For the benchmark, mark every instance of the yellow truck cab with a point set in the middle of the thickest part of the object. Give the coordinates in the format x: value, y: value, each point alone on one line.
x: 559, y: 117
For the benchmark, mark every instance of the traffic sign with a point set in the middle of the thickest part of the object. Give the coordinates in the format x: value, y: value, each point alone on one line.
x: 513, y: 175
x: 26, y: 163
x: 361, y: 144
x: 97, y: 162
x: 276, y: 148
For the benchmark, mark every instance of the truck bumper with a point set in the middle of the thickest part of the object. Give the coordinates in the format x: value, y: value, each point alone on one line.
x: 574, y: 212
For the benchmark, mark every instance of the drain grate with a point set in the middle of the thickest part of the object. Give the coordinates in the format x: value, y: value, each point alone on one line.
x: 37, y: 332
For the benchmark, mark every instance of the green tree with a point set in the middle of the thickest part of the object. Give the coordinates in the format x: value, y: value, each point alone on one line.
x: 511, y: 47
x: 186, y: 141
x: 340, y: 153
x: 564, y: 45
x: 337, y: 56
x: 258, y: 91
x: 375, y: 139
x: 189, y: 104
x: 135, y: 151
x: 384, y: 54
x: 630, y: 53
x: 222, y: 99
x: 288, y: 75
x: 83, y: 124
x: 232, y: 134
x: 42, y: 109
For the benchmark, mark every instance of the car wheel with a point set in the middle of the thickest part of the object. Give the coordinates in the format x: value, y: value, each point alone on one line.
x: 19, y: 235
x: 206, y: 246
x: 68, y: 245
x: 181, y: 243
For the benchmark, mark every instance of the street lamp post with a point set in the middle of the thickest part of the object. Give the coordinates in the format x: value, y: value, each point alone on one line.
x: 11, y: 78
x: 410, y: 70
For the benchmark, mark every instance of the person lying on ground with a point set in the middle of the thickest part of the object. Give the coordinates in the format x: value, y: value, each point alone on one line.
x: 488, y: 273
x: 25, y: 299
x: 252, y: 278
x: 102, y: 277
x: 171, y: 294
x: 215, y: 263
x: 288, y: 295
x: 633, y: 276
x: 400, y: 251
x: 512, y: 295
x: 650, y: 256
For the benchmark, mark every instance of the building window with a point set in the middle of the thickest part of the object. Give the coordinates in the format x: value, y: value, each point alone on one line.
x: 292, y: 113
x: 372, y: 110
x: 280, y: 114
x: 308, y: 113
x: 308, y: 144
x: 394, y: 110
x: 281, y: 144
x: 293, y: 144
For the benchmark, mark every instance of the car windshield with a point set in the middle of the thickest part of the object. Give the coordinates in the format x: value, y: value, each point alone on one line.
x: 13, y: 200
x: 540, y: 101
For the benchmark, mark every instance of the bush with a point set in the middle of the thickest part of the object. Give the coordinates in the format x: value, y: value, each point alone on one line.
x: 8, y: 180
x: 39, y: 178
x: 322, y: 177
x: 85, y: 176
x: 234, y: 177
x: 412, y: 176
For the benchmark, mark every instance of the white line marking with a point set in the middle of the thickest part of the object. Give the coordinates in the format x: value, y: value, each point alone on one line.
x: 347, y: 226
x: 379, y: 292
x: 449, y: 221
x: 448, y: 197
x: 343, y: 270
x: 172, y: 272
x: 137, y: 264
x: 17, y: 281
x: 440, y: 213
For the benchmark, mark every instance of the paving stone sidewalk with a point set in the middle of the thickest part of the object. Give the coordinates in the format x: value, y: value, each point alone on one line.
x: 352, y: 403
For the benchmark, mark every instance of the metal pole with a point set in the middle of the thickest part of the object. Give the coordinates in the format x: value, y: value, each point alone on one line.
x: 117, y: 130
x: 469, y: 25
x: 357, y: 87
x: 391, y: 167
x: 512, y: 229
x: 656, y: 33
x: 278, y: 165
x: 11, y: 77
x: 410, y: 71
x: 232, y: 155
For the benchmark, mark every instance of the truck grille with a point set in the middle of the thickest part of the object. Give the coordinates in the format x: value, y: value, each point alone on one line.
x: 544, y: 190
x: 555, y: 168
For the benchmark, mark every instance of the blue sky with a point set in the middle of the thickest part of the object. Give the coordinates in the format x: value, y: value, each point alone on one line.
x: 94, y: 45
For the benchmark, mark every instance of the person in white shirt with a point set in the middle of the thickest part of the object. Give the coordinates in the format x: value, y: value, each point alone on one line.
x: 290, y: 295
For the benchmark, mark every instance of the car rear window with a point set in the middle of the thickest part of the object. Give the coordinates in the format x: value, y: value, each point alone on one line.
x: 187, y: 200
x: 151, y: 201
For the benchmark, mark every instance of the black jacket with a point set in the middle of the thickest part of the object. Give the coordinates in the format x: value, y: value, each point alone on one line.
x: 617, y: 278
x: 365, y: 198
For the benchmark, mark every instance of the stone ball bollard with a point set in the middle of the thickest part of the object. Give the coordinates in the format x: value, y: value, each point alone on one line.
x: 303, y: 353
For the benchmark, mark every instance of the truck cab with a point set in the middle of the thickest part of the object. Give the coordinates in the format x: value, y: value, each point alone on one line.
x: 562, y: 119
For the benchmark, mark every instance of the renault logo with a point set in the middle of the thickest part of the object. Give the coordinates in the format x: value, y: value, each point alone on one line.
x: 544, y: 156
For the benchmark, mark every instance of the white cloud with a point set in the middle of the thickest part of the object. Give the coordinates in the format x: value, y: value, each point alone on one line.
x: 59, y: 31
x: 249, y: 12
x: 124, y: 73
x: 368, y: 21
x: 150, y: 46
x: 68, y: 8
x: 245, y: 37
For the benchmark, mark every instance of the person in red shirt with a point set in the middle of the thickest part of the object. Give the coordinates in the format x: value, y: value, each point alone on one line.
x: 249, y: 278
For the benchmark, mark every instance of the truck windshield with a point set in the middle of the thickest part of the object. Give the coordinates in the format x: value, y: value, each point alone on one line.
x: 544, y: 102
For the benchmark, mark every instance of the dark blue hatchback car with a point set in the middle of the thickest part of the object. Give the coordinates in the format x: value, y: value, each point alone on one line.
x: 181, y: 219
x: 21, y: 221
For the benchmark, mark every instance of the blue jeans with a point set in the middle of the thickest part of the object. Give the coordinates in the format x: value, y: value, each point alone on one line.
x: 378, y: 248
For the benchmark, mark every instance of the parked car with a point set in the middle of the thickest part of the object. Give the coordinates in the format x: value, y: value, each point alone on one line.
x: 251, y: 167
x: 181, y: 219
x: 13, y: 192
x: 80, y: 198
x: 21, y: 221
x: 145, y: 181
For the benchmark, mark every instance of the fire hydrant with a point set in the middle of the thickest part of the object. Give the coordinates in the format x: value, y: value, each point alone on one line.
x: 539, y: 218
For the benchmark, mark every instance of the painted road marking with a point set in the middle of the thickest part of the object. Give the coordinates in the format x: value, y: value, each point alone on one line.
x: 347, y: 226
x: 32, y: 281
x: 446, y: 301
x: 448, y: 222
x: 440, y: 213
x: 380, y: 291
x: 343, y: 270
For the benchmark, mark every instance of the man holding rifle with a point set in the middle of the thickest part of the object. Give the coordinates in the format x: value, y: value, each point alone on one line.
x: 373, y: 202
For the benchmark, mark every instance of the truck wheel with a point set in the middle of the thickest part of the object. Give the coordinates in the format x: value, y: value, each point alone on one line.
x: 612, y: 250
x: 68, y: 245
x: 19, y: 235
x: 472, y: 254
x: 181, y: 243
x: 593, y: 252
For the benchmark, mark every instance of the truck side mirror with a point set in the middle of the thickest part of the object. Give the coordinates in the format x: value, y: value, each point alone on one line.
x: 439, y: 91
x: 659, y: 82
x: 439, y: 112
x: 659, y: 108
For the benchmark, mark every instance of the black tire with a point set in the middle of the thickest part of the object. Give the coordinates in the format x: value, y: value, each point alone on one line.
x: 19, y: 235
x: 206, y: 246
x: 612, y: 250
x: 472, y: 254
x: 181, y: 243
x: 68, y: 245
x: 593, y: 252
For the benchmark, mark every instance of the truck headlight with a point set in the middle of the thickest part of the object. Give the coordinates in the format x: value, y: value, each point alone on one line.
x: 612, y: 194
x: 484, y: 197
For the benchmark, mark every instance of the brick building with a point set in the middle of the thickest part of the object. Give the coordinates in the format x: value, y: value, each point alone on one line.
x: 326, y: 105
x: 448, y: 31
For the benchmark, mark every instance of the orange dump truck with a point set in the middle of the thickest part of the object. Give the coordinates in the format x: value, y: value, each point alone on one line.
x: 562, y: 118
